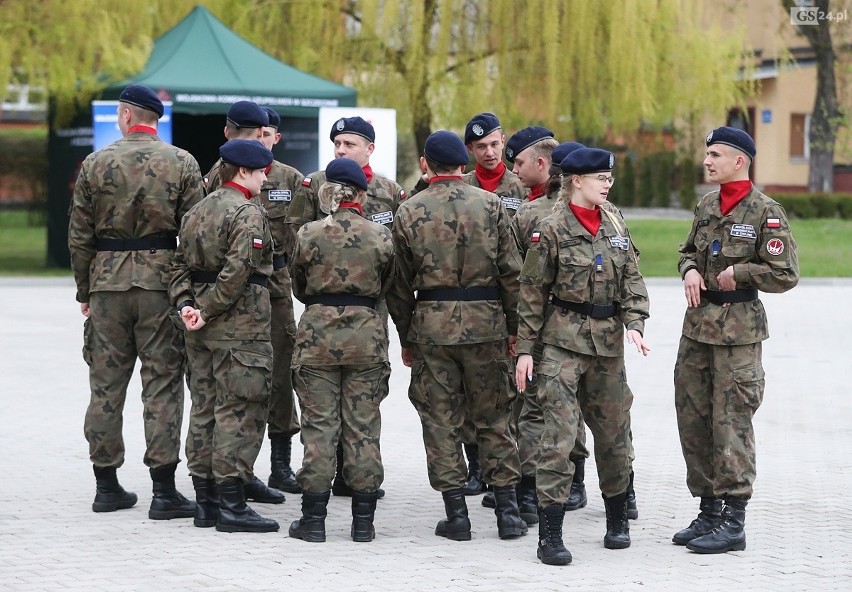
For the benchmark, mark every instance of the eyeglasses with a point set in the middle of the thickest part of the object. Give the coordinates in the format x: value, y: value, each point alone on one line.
x: 603, y: 178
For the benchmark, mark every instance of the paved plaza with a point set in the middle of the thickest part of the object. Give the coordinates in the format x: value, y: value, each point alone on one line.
x: 797, y: 524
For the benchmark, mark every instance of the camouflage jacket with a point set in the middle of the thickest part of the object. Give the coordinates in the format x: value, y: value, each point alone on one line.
x: 755, y: 238
x: 137, y: 187
x: 452, y: 235
x: 228, y: 234
x: 510, y: 190
x: 528, y: 216
x: 566, y: 262
x: 213, y: 180
x: 350, y: 255
x: 382, y: 201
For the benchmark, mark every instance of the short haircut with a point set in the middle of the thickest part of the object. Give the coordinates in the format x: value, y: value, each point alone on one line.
x: 440, y: 169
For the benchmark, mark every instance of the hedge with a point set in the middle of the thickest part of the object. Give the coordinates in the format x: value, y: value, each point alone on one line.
x: 816, y: 205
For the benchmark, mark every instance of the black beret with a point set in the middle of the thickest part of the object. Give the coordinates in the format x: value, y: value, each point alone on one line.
x: 732, y: 136
x: 248, y: 114
x: 274, y: 118
x: 588, y: 160
x: 445, y: 148
x: 142, y: 96
x: 250, y: 154
x: 347, y: 172
x: 480, y: 126
x: 525, y: 138
x: 353, y: 125
x: 563, y: 150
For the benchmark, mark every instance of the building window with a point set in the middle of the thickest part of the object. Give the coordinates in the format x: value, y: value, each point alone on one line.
x: 800, y: 124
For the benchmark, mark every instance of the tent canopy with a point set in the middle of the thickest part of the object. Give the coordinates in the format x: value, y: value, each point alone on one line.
x: 203, y: 68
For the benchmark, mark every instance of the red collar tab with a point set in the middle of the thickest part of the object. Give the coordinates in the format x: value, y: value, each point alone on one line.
x: 537, y: 191
x: 352, y: 205
x: 267, y: 169
x: 731, y: 194
x: 145, y: 129
x: 489, y: 180
x: 368, y: 172
x: 238, y: 187
x: 437, y: 178
x: 590, y: 219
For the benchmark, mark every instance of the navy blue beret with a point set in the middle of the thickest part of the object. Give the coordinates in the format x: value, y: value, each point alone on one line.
x: 274, y: 118
x: 563, y: 150
x: 347, y: 172
x: 445, y: 148
x: 250, y: 154
x: 480, y: 126
x: 142, y: 96
x: 353, y: 125
x: 588, y: 160
x: 248, y: 114
x: 732, y: 136
x: 525, y: 138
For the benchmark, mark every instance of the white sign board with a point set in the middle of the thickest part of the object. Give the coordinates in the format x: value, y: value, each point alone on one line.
x: 383, y: 159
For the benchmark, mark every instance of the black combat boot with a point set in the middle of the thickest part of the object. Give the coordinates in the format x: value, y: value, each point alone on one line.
x: 527, y: 500
x: 339, y: 487
x: 109, y: 495
x: 235, y: 515
x: 727, y: 535
x: 257, y: 491
x: 311, y: 526
x: 488, y: 500
x: 709, y: 516
x: 474, y: 484
x: 509, y: 522
x: 282, y: 477
x: 630, y: 504
x: 363, y: 511
x: 577, y: 496
x: 168, y: 502
x: 551, y: 550
x: 457, y: 525
x: 206, y: 502
x: 617, y: 525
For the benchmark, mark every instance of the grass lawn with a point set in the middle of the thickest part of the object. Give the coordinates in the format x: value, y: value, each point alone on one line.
x: 825, y: 246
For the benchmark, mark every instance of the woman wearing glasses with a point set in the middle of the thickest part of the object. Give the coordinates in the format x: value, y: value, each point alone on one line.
x: 580, y: 289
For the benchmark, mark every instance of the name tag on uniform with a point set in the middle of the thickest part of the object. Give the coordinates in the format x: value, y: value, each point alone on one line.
x: 569, y: 243
x: 511, y: 203
x: 743, y: 231
x: 382, y: 217
x: 620, y: 242
x: 280, y: 195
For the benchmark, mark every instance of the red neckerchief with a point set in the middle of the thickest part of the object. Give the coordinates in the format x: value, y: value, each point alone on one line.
x: 238, y: 187
x: 537, y: 191
x: 267, y: 169
x: 730, y: 194
x: 368, y: 171
x: 145, y: 129
x: 590, y: 219
x: 489, y: 180
x: 351, y: 205
x: 437, y: 178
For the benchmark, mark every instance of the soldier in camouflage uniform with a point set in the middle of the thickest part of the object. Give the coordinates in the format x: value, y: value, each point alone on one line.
x: 245, y: 120
x: 580, y: 288
x: 353, y: 138
x: 341, y: 267
x: 740, y: 242
x: 219, y: 284
x: 124, y: 217
x: 455, y: 251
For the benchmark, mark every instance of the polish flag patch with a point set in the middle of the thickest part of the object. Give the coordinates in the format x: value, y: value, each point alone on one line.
x: 306, y: 182
x: 773, y: 222
x: 257, y: 243
x: 536, y: 237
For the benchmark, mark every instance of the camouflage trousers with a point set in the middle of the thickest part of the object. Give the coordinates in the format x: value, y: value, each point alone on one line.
x: 718, y: 388
x: 283, y: 419
x: 571, y: 383
x: 341, y: 404
x: 450, y: 383
x: 124, y: 326
x: 229, y: 382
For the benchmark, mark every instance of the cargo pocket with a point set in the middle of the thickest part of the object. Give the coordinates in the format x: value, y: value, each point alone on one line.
x: 417, y: 391
x: 748, y: 385
x: 87, y: 341
x: 250, y: 375
x: 546, y: 373
x: 502, y: 385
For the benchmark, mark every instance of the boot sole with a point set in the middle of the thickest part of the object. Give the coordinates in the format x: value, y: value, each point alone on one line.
x: 234, y: 528
x: 266, y: 500
x: 363, y: 539
x: 554, y: 561
x: 616, y: 545
x: 737, y: 547
x: 514, y: 534
x: 454, y: 536
x: 577, y: 507
x: 108, y: 507
x: 170, y: 514
x: 307, y: 538
x: 284, y: 488
x: 204, y: 523
x: 632, y: 514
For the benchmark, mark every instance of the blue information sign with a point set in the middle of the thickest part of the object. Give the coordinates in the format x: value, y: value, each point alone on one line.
x: 105, y: 123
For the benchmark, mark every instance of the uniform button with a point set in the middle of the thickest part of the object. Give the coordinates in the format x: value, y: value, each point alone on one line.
x: 152, y: 251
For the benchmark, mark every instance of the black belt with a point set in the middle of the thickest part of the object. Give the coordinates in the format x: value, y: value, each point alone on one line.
x: 730, y: 296
x: 340, y: 300
x: 459, y: 294
x: 596, y: 311
x: 210, y: 277
x: 279, y: 262
x: 137, y: 244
